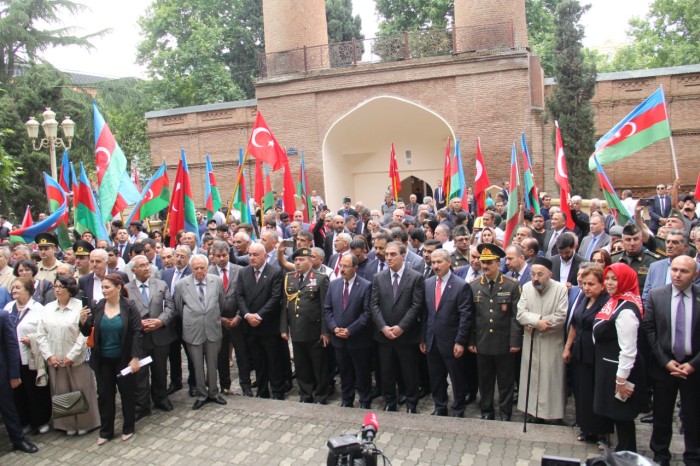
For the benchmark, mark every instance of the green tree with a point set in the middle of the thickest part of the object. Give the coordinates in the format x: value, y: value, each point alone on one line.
x: 540, y: 31
x: 22, y: 36
x: 342, y: 25
x: 570, y: 99
x: 669, y: 35
x: 399, y: 16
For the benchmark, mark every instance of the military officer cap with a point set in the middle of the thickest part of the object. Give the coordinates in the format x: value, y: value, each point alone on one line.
x: 82, y: 248
x: 46, y: 239
x: 302, y: 252
x: 630, y: 229
x: 490, y: 252
x: 675, y: 214
x: 542, y: 261
x: 616, y: 231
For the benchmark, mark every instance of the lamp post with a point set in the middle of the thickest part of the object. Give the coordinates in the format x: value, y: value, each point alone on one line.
x: 50, y: 126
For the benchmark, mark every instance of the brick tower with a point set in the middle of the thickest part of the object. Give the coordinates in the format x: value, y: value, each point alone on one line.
x: 484, y: 24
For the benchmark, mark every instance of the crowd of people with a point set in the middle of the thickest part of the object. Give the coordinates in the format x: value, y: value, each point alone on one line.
x: 393, y: 301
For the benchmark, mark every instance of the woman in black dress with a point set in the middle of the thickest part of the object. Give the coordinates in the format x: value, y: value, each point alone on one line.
x: 580, y: 352
x: 620, y: 386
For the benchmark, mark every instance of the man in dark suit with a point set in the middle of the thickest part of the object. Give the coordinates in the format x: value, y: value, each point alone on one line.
x: 550, y: 238
x: 347, y: 209
x: 659, y: 208
x: 439, y: 196
x: 518, y: 268
x: 337, y: 228
x: 171, y: 276
x: 445, y: 330
x: 122, y: 243
x: 152, y: 298
x: 397, y: 301
x: 565, y: 264
x: 596, y: 238
x: 672, y: 327
x: 347, y: 314
x: 199, y: 299
x: 234, y: 329
x: 259, y: 296
x: 91, y: 284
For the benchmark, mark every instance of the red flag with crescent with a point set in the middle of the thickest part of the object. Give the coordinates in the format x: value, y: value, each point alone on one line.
x: 447, y: 172
x: 697, y: 188
x: 263, y: 145
x: 394, y: 175
x: 562, y: 178
x: 481, y: 181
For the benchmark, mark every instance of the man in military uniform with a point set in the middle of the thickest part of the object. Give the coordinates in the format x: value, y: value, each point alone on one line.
x: 302, y: 317
x: 460, y: 257
x: 496, y: 335
x: 47, y: 244
x: 82, y: 250
x: 633, y: 255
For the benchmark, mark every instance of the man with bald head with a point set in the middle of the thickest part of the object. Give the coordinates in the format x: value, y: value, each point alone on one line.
x: 337, y: 227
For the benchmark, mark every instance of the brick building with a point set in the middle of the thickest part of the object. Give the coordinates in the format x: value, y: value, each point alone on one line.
x: 343, y: 105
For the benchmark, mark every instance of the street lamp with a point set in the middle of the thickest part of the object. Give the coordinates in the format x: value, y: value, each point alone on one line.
x: 50, y: 126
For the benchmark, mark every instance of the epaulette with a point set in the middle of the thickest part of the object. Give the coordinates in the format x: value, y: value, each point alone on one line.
x: 653, y: 254
x: 618, y: 253
x: 512, y: 279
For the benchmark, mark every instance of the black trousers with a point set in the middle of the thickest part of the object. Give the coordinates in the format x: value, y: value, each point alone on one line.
x: 311, y: 363
x: 33, y: 403
x: 237, y: 338
x: 626, y: 436
x: 107, y: 382
x: 152, y: 380
x: 355, y: 368
x: 8, y: 411
x: 269, y: 368
x: 440, y: 365
x: 665, y: 393
x: 405, y: 358
x: 491, y: 368
x: 175, y: 357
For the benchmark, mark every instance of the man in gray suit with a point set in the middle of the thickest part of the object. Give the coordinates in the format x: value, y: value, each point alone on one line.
x: 153, y: 300
x: 234, y: 329
x: 199, y: 298
x: 595, y: 239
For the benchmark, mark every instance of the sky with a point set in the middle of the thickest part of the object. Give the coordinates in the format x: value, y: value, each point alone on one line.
x: 114, y: 55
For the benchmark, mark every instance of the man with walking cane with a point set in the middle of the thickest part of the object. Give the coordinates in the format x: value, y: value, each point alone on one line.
x: 542, y: 311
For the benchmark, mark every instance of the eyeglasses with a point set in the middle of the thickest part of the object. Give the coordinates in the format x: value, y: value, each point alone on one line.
x: 59, y: 287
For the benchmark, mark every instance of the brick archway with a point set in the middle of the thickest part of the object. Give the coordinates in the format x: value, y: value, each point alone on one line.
x: 357, y: 147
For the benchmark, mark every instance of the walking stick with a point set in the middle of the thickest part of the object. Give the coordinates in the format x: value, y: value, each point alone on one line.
x: 529, y: 375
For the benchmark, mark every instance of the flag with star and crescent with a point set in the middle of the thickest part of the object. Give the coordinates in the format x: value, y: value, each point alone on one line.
x: 561, y: 175
x: 481, y: 181
x: 263, y: 145
x: 154, y: 197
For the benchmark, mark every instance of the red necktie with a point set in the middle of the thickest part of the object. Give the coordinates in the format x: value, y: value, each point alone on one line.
x: 225, y: 272
x: 346, y: 293
x: 438, y: 293
x: 337, y: 267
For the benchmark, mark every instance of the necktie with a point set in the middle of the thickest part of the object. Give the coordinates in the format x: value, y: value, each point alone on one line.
x: 177, y: 276
x: 121, y: 250
x: 201, y: 293
x: 381, y: 266
x: 516, y: 275
x: 346, y: 293
x: 144, y: 293
x: 336, y: 271
x: 301, y: 280
x: 224, y: 272
x: 553, y: 242
x: 591, y: 247
x: 438, y: 293
x: 395, y: 284
x: 257, y: 275
x: 662, y: 201
x: 426, y: 273
x: 679, y: 332
x: 491, y: 283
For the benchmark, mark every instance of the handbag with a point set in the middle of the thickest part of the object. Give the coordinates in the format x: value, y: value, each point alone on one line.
x: 69, y: 404
x: 91, y: 339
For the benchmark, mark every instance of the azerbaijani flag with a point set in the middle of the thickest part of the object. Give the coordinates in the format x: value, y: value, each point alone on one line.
x: 394, y: 174
x: 26, y: 223
x: 513, y: 204
x: 303, y: 190
x: 182, y: 214
x: 154, y: 198
x: 110, y: 162
x: 55, y: 199
x: 50, y: 223
x: 532, y: 196
x: 561, y: 175
x: 615, y: 205
x: 268, y: 199
x: 481, y: 181
x: 447, y: 173
x: 66, y: 175
x: 457, y: 181
x: 240, y: 197
x: 88, y: 216
x: 645, y: 125
x: 212, y: 199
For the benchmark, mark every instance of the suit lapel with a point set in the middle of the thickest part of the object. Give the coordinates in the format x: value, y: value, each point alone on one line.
x: 696, y: 307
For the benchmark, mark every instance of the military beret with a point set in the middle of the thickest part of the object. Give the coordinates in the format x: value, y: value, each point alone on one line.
x: 542, y: 261
x: 490, y: 252
x: 302, y: 252
x: 675, y: 214
x: 82, y: 248
x: 616, y: 231
x: 630, y: 229
x: 46, y: 239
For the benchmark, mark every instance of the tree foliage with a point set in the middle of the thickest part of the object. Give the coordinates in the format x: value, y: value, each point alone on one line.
x: 570, y: 99
x: 398, y: 16
x: 540, y: 31
x: 342, y: 25
x: 669, y: 35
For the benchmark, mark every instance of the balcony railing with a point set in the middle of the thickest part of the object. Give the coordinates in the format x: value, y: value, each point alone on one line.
x: 406, y: 46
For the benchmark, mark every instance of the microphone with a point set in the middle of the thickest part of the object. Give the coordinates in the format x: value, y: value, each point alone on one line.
x: 370, y: 427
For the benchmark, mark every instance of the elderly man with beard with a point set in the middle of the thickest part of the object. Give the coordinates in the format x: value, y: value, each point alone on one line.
x: 542, y: 312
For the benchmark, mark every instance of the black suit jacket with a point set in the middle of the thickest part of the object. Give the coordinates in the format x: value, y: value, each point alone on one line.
x: 657, y: 328
x: 404, y: 311
x: 87, y: 282
x: 656, y: 212
x: 263, y: 298
x: 168, y: 274
x: 573, y: 271
x: 356, y: 316
x: 451, y: 321
x: 9, y: 348
x: 548, y: 238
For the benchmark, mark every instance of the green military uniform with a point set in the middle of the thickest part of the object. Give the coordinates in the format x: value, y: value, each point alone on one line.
x: 639, y: 263
x: 459, y: 260
x: 494, y: 331
x: 302, y: 317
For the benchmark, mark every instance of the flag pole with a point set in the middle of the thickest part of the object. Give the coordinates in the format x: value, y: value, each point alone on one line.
x: 235, y: 186
x: 670, y: 137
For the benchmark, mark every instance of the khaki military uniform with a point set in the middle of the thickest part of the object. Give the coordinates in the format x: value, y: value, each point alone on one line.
x: 639, y: 263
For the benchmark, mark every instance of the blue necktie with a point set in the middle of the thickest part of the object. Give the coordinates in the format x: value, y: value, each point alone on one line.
x: 144, y: 293
x: 679, y: 332
x: 591, y: 247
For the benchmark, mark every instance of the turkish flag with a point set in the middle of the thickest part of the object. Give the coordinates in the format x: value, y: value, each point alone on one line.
x: 562, y: 178
x: 697, y: 189
x: 481, y: 181
x: 288, y: 195
x: 263, y: 145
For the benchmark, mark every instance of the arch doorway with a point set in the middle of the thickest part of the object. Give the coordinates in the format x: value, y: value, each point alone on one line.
x: 417, y: 186
x: 357, y: 148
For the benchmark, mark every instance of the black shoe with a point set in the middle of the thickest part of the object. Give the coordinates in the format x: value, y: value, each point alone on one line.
x: 305, y: 399
x: 278, y: 397
x: 198, y: 404
x: 439, y: 412
x: 458, y: 414
x: 193, y: 392
x: 662, y: 461
x: 164, y: 405
x: 288, y: 386
x: 367, y: 405
x: 402, y: 400
x: 254, y: 384
x: 218, y: 399
x: 375, y: 393
x: 423, y: 392
x: 648, y: 419
x: 391, y: 408
x: 173, y: 387
x: 142, y: 414
x: 321, y: 402
x: 247, y: 392
x: 25, y: 446
x: 411, y: 410
x: 344, y: 404
x: 505, y: 418
x: 488, y: 417
x: 469, y: 399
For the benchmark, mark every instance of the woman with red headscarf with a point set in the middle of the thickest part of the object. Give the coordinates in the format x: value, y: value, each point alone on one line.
x: 620, y: 385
